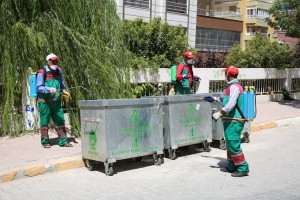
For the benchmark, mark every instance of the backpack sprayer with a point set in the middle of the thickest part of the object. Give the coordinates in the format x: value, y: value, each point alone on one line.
x: 249, y: 105
x: 249, y: 98
x: 33, y: 87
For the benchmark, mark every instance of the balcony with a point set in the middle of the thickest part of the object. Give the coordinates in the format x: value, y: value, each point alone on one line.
x: 266, y: 5
x: 137, y: 3
x: 257, y: 20
x: 249, y: 35
x: 233, y: 15
x: 176, y: 7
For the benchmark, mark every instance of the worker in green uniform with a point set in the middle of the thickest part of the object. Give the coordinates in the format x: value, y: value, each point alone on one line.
x: 233, y: 123
x: 184, y: 74
x: 50, y: 85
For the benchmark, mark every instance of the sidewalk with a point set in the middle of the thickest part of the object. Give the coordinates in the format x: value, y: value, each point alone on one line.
x: 25, y: 157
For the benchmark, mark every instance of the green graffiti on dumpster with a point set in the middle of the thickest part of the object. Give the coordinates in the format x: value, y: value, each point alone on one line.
x: 190, y: 139
x: 136, y: 131
x: 134, y: 150
x: 93, y: 142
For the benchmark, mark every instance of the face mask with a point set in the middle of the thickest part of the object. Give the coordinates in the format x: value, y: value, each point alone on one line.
x: 53, y: 67
x: 190, y: 61
x: 226, y: 78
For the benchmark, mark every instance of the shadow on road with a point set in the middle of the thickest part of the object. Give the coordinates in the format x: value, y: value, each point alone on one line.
x: 54, y: 141
x: 294, y: 103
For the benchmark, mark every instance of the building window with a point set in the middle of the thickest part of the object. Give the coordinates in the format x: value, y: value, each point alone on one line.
x: 254, y: 12
x: 216, y: 40
x: 137, y: 3
x: 179, y: 6
x: 252, y: 30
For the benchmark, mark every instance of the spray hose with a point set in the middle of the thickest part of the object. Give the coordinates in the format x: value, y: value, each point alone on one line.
x: 240, y: 119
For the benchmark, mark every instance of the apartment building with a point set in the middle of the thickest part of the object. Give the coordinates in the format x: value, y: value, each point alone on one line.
x: 254, y: 14
x: 214, y: 25
x: 175, y: 12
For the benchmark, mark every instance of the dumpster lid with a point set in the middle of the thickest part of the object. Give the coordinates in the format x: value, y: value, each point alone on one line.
x: 186, y: 97
x: 119, y: 102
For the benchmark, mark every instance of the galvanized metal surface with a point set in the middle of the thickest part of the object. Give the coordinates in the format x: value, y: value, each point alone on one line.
x: 186, y: 120
x: 217, y: 126
x: 121, y: 128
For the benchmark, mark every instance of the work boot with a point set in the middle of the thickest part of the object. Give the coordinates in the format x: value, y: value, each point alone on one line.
x: 245, y: 138
x: 239, y: 174
x: 227, y: 170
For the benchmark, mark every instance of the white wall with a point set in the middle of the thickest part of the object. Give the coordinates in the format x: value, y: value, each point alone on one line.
x: 207, y: 74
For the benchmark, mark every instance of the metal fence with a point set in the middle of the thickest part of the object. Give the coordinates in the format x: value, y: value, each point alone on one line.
x: 158, y: 89
x: 262, y: 86
x: 295, y: 87
x: 137, y: 3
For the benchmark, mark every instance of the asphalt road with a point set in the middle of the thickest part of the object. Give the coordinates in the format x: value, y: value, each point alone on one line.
x: 273, y: 156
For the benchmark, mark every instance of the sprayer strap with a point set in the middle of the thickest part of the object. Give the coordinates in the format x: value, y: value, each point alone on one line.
x: 241, y: 113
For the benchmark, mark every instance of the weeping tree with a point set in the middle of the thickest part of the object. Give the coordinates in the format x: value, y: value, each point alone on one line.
x: 87, y: 36
x: 155, y: 44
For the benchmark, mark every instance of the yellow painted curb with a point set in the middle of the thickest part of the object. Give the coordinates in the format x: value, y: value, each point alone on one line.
x: 255, y: 127
x: 69, y: 164
x: 8, y: 176
x: 33, y: 171
x: 268, y: 125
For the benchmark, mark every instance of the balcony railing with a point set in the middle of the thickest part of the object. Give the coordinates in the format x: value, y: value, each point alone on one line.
x: 137, y: 3
x: 257, y: 32
x: 220, y: 14
x: 176, y: 7
x: 257, y: 16
x: 267, y: 1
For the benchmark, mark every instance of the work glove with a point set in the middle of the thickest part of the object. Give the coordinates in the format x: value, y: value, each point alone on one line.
x: 185, y: 76
x: 66, y: 95
x: 197, y: 78
x: 53, y: 90
x: 217, y: 115
x: 220, y: 100
x: 210, y: 98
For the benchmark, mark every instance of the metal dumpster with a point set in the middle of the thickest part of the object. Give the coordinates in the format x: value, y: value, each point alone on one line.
x: 217, y: 126
x: 186, y: 121
x: 246, y: 132
x: 117, y: 129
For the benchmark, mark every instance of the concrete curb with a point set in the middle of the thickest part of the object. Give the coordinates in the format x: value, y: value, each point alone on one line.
x: 276, y: 123
x: 76, y: 162
x: 34, y: 170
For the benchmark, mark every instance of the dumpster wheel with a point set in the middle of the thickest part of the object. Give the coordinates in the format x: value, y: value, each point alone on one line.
x: 161, y: 156
x: 109, y: 169
x: 206, y: 146
x: 89, y: 164
x: 172, y: 154
x: 158, y: 159
x: 223, y: 144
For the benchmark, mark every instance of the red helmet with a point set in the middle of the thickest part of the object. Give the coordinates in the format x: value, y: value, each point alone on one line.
x: 188, y: 55
x: 232, y: 70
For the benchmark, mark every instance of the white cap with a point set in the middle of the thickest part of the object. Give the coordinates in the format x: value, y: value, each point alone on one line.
x: 51, y: 56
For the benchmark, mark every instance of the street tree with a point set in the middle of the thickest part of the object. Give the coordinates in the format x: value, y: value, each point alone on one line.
x: 261, y: 53
x: 285, y: 14
x: 155, y: 44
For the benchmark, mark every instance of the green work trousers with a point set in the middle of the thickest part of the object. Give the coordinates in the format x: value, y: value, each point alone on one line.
x: 182, y: 90
x: 55, y: 111
x: 235, y: 154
